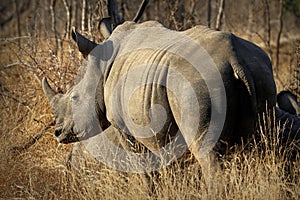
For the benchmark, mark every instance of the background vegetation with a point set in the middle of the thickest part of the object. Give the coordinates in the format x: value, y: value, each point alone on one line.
x: 35, y: 43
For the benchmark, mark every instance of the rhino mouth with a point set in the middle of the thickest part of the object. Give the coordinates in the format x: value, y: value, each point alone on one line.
x: 65, y: 137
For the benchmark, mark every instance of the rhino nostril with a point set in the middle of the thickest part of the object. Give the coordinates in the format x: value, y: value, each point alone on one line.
x: 57, y: 132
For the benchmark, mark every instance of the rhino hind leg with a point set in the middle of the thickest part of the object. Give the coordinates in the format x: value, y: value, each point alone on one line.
x: 287, y: 101
x: 208, y: 163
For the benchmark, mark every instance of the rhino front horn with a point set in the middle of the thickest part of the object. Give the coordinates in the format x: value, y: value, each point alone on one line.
x: 49, y: 92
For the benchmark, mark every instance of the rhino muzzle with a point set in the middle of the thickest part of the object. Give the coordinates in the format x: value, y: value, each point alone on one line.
x: 65, y: 137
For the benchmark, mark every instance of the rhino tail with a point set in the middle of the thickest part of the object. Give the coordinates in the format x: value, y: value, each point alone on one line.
x: 243, y: 74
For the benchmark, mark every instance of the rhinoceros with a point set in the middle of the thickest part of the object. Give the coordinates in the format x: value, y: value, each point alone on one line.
x: 151, y: 85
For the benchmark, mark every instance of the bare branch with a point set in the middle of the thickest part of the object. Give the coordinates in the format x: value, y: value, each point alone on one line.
x: 140, y: 12
x: 16, y: 38
x: 31, y: 142
x: 4, y: 94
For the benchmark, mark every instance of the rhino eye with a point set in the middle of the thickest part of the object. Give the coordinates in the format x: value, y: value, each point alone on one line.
x: 75, y: 97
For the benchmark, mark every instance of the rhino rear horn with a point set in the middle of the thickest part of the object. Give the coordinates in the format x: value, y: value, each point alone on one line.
x: 85, y: 46
x: 49, y: 92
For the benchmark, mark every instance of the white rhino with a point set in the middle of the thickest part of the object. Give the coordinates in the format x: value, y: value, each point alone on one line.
x: 149, y: 84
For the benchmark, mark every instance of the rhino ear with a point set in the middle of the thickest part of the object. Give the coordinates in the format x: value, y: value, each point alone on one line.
x: 85, y: 46
x: 49, y: 92
x: 105, y: 27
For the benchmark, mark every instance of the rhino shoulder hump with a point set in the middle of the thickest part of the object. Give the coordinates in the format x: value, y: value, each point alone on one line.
x: 129, y: 25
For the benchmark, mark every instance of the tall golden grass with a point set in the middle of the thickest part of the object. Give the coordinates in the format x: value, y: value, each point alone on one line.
x: 261, y: 168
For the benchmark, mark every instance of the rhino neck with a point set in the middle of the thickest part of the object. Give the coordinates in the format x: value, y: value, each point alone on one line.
x: 100, y: 105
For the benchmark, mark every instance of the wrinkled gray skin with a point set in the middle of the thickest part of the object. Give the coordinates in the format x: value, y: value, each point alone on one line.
x: 245, y: 69
x: 287, y: 101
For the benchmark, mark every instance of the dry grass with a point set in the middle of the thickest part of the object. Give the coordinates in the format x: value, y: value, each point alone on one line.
x: 262, y: 170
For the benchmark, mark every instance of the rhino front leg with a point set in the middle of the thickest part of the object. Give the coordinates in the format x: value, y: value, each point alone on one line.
x: 103, y: 147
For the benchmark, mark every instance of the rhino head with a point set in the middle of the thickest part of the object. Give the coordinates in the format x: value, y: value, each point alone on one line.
x: 62, y: 111
x: 79, y: 110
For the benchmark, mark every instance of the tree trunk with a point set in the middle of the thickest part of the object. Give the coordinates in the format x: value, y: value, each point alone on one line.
x: 68, y: 23
x: 17, y: 11
x: 35, y: 23
x: 83, y: 14
x: 114, y: 13
x: 220, y: 15
x: 208, y: 13
x: 251, y: 18
x: 295, y: 73
x: 279, y: 35
x: 53, y: 24
x: 74, y: 14
x: 90, y: 21
x: 268, y: 24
